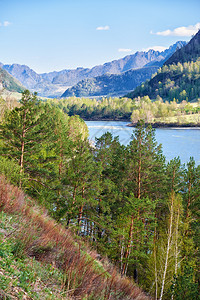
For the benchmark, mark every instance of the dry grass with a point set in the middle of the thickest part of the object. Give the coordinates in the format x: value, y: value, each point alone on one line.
x: 48, y: 241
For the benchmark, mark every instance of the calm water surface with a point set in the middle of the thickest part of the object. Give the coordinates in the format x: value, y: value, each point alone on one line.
x: 182, y: 142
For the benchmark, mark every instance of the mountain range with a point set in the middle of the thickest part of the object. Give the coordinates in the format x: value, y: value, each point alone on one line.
x: 179, y: 78
x: 110, y: 84
x: 122, y: 75
x: 53, y: 84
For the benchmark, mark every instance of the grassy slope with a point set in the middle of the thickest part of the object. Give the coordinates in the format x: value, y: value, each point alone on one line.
x: 40, y: 259
x: 22, y: 276
x: 189, y: 120
x: 192, y: 119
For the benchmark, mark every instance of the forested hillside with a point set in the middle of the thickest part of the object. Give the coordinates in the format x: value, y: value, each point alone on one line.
x: 127, y: 202
x: 179, y: 78
x: 190, y: 52
x: 173, y: 82
x: 110, y: 84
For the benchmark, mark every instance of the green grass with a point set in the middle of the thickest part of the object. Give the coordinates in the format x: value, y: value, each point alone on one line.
x: 22, y: 276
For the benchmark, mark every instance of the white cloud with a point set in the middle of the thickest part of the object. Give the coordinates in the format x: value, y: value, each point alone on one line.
x: 103, y: 28
x: 156, y: 48
x: 6, y: 23
x: 180, y: 31
x: 124, y: 50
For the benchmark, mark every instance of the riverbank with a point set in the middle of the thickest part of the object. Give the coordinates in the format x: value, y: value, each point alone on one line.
x: 154, y: 124
x: 169, y: 125
x: 106, y: 119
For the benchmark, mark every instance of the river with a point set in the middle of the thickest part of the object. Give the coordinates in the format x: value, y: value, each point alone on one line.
x: 182, y: 142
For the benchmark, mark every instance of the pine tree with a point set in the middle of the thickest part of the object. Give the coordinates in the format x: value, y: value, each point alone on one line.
x: 145, y: 173
x: 139, y: 219
x: 109, y: 155
x: 82, y: 181
x: 146, y: 163
x: 25, y: 132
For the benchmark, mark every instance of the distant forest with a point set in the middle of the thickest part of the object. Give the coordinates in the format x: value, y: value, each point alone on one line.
x: 130, y: 109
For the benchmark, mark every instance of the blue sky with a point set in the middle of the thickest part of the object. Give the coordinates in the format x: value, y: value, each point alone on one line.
x: 66, y: 34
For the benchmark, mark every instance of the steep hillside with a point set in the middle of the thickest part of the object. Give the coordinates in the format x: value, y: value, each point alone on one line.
x: 55, y: 83
x: 110, y: 84
x: 190, y: 52
x: 9, y: 83
x: 40, y: 258
x: 179, y: 77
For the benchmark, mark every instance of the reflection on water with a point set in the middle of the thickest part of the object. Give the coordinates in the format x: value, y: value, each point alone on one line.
x: 182, y: 142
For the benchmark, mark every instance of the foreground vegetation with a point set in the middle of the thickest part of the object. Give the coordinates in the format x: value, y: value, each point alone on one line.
x: 22, y: 276
x: 39, y: 259
x: 125, y: 201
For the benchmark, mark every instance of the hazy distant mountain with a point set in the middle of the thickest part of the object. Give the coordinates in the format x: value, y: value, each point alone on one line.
x: 117, y: 84
x: 179, y: 78
x: 24, y: 74
x: 55, y: 83
x: 9, y: 83
x: 110, y: 84
x: 134, y: 61
x: 31, y: 80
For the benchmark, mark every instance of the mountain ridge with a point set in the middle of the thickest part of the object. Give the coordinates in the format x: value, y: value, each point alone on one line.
x: 179, y: 78
x: 110, y: 84
x: 190, y: 51
x: 55, y: 83
x: 115, y: 84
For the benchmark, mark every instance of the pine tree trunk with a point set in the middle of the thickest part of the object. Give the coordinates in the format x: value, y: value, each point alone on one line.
x: 74, y: 194
x: 22, y: 149
x: 80, y: 217
x: 80, y: 212
x: 128, y: 246
x: 122, y: 252
x: 99, y: 231
x: 173, y: 180
x: 189, y: 200
x: 139, y: 173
